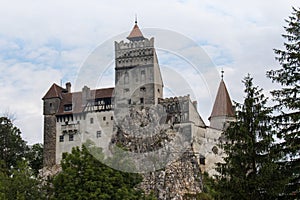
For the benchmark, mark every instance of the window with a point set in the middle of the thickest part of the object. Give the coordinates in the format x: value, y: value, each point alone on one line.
x: 98, y: 134
x: 129, y: 101
x: 71, y: 137
x: 104, y: 118
x: 68, y: 107
x: 61, y: 138
x: 112, y: 118
x: 141, y: 100
x: 126, y: 90
x: 143, y: 75
x: 202, y: 160
x: 50, y: 105
x: 143, y: 89
x: 126, y: 78
x: 91, y: 120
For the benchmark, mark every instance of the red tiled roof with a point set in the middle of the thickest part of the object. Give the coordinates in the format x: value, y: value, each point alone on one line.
x: 223, y: 104
x: 75, y: 98
x: 136, y: 33
x: 55, y: 91
x: 102, y: 93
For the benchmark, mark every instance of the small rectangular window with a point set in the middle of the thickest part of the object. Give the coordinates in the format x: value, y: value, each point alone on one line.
x: 61, y: 138
x: 98, y: 134
x: 129, y: 101
x: 143, y: 89
x: 91, y: 120
x: 112, y: 118
x: 202, y: 160
x: 104, y: 118
x: 141, y: 100
x: 68, y: 107
x: 71, y: 137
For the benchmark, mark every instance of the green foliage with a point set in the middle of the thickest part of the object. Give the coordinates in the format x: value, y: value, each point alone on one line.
x: 85, y: 177
x: 208, y: 186
x: 20, y: 184
x: 35, y: 157
x: 250, y: 170
x: 199, y: 196
x: 12, y: 147
x: 287, y: 100
x: 19, y: 164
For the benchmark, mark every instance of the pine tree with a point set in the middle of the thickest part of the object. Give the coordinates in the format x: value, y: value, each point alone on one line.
x: 249, y: 170
x: 287, y: 100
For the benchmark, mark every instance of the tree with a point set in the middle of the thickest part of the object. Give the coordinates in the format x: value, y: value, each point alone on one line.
x: 249, y: 170
x: 20, y: 184
x: 287, y: 100
x: 85, y: 177
x: 12, y: 147
x: 35, y: 157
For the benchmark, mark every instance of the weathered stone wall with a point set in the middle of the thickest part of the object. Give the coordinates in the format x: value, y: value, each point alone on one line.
x: 49, y: 140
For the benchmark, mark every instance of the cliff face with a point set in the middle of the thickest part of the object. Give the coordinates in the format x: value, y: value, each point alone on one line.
x: 178, y: 178
x: 163, y: 153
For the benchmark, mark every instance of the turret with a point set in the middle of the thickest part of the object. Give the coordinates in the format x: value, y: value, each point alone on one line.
x: 51, y: 105
x: 222, y: 111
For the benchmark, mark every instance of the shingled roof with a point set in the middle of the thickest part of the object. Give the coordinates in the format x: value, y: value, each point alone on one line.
x: 223, y: 104
x: 55, y: 91
x: 136, y: 33
x: 75, y: 98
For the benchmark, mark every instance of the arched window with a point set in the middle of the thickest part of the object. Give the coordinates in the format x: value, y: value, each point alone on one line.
x: 126, y: 78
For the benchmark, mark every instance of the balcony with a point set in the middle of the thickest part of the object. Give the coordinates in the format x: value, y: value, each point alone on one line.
x: 70, y: 128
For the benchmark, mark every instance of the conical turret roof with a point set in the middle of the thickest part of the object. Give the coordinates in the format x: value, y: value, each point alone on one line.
x: 223, y: 104
x: 136, y: 33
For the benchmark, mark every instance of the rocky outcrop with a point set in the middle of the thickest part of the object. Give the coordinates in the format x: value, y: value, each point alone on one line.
x: 175, y: 170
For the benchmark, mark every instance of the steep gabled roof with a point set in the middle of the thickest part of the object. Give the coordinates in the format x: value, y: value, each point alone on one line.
x: 223, y: 104
x: 75, y: 98
x: 54, y: 92
x: 136, y: 33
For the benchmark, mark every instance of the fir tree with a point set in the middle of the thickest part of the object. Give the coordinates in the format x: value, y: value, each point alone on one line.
x: 249, y: 170
x: 287, y: 100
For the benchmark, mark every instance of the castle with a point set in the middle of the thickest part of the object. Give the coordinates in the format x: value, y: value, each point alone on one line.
x: 126, y: 113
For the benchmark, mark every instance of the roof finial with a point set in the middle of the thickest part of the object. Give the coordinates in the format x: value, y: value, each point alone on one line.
x: 135, y: 19
x: 222, y: 74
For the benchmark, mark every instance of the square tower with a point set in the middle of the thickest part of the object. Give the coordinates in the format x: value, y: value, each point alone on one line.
x: 138, y: 79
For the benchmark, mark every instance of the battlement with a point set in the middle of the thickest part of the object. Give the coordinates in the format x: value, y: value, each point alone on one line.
x: 174, y: 99
x: 134, y: 44
x: 134, y: 53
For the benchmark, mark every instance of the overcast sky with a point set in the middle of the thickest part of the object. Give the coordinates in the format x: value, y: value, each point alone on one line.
x: 46, y: 42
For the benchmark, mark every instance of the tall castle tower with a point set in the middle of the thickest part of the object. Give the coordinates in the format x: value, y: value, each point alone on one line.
x: 52, y: 100
x: 138, y: 79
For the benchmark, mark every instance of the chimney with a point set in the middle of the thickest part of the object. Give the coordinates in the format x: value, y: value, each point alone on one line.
x: 86, y: 94
x: 68, y: 87
x: 195, y: 104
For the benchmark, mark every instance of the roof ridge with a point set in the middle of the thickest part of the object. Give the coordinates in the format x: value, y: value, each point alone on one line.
x: 222, y: 105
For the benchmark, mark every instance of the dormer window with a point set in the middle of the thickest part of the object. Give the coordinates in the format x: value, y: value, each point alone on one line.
x: 68, y: 107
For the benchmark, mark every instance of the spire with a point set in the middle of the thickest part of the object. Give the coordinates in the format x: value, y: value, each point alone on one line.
x: 223, y: 105
x: 136, y: 33
x: 222, y: 74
